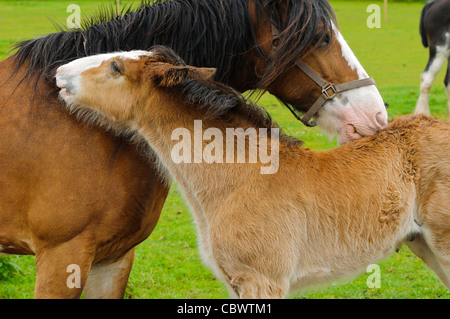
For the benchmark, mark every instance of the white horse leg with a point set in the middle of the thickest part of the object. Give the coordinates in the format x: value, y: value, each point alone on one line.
x: 109, y: 281
x: 427, y: 78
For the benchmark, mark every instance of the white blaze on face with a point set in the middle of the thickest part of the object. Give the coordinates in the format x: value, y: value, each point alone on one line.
x: 354, y: 113
x: 68, y: 76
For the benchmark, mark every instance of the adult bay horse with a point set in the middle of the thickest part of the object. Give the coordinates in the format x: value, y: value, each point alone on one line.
x: 435, y: 33
x: 308, y: 221
x: 72, y: 194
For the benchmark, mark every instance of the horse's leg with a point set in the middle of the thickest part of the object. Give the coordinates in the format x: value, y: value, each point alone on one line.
x: 435, y: 63
x: 421, y: 249
x: 109, y: 280
x: 62, y: 271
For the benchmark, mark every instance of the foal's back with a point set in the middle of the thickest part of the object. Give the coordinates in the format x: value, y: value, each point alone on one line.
x: 329, y: 214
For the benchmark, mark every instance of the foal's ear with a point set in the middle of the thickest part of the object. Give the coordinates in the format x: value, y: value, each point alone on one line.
x: 206, y: 73
x: 170, y: 76
x: 202, y: 73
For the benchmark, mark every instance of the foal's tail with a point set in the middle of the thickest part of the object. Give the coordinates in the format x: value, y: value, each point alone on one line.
x: 423, y: 33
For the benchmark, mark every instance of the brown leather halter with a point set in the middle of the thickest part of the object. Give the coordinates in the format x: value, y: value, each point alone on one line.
x: 329, y: 90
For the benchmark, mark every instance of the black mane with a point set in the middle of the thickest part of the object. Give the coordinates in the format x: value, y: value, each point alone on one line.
x: 204, y: 32
x: 208, y: 33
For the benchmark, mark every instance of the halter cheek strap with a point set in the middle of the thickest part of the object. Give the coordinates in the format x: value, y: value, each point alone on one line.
x: 329, y: 90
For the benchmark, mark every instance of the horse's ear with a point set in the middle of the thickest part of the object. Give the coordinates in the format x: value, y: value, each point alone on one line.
x: 171, y: 76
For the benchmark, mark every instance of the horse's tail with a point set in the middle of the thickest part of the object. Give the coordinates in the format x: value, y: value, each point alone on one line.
x: 423, y: 33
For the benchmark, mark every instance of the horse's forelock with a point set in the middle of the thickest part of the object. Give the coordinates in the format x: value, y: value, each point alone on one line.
x: 306, y: 23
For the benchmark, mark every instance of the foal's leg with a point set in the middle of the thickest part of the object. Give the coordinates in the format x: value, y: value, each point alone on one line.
x: 245, y: 283
x: 109, y: 280
x: 435, y: 63
x: 435, y: 220
x: 439, y: 243
x: 61, y: 271
x: 421, y: 249
x: 260, y: 288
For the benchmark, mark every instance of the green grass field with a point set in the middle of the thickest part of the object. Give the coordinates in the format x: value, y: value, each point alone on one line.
x: 167, y: 264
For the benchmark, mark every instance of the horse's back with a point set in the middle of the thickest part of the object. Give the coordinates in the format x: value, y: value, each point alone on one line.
x: 60, y: 178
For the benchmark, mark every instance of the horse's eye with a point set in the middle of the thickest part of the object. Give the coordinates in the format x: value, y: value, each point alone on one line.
x: 325, y: 40
x: 114, y: 67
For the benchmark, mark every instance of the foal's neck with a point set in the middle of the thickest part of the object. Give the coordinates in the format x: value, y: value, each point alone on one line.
x: 207, y: 155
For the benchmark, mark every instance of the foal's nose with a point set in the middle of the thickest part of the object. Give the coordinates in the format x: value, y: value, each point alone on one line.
x: 61, y: 80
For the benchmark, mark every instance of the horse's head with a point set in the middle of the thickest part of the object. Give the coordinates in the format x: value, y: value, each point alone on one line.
x: 119, y: 85
x: 312, y: 68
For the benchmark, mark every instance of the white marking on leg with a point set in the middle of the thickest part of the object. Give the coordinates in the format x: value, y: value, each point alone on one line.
x: 427, y: 78
x: 103, y: 279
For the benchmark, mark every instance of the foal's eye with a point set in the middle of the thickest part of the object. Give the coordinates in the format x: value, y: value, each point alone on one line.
x: 114, y: 67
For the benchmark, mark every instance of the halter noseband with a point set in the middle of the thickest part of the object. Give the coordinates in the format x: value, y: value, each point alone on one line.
x: 329, y: 90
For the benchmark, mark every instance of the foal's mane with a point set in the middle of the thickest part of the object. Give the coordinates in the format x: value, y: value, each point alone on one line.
x: 208, y: 33
x: 217, y: 100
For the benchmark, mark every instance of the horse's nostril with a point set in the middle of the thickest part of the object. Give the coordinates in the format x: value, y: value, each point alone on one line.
x: 381, y: 119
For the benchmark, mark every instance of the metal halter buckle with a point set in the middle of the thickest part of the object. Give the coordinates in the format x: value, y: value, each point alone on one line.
x: 326, y: 88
